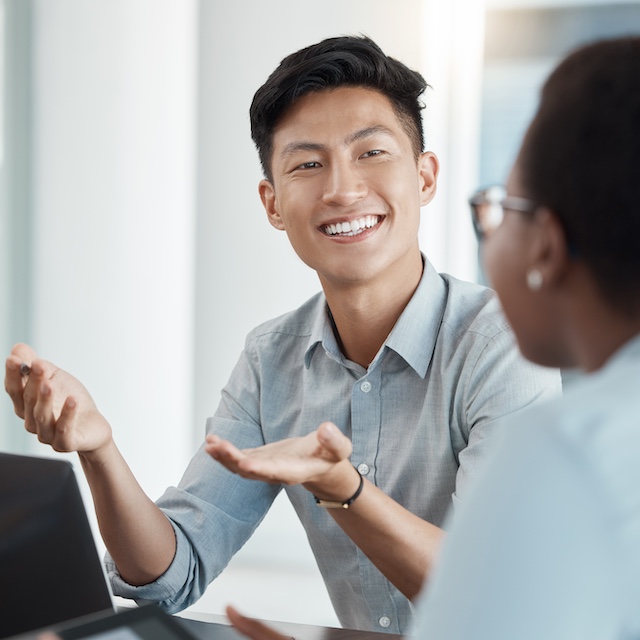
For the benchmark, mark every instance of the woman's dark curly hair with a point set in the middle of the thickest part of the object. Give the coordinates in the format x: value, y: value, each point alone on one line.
x: 581, y: 158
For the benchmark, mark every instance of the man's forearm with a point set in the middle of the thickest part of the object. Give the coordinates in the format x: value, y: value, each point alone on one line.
x: 137, y: 534
x: 399, y: 543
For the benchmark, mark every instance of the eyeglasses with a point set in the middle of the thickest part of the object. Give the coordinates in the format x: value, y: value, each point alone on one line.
x: 488, y: 207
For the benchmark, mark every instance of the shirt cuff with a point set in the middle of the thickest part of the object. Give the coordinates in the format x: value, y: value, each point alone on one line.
x: 162, y: 591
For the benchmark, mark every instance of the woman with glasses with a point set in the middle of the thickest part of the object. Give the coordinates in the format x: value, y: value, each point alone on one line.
x: 548, y: 544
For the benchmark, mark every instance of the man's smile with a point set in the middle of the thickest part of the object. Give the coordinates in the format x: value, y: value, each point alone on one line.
x: 351, y: 227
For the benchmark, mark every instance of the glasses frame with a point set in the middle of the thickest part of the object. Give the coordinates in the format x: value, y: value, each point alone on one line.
x: 496, y: 196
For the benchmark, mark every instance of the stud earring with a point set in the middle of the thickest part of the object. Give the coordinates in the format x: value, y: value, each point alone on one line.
x: 534, y: 280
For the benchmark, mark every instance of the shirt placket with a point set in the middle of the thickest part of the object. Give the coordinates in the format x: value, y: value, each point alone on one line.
x: 365, y: 428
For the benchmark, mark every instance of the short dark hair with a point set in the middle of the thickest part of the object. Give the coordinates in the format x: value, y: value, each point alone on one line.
x: 336, y: 62
x: 581, y: 158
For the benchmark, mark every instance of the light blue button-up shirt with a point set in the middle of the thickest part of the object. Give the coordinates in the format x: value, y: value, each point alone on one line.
x: 547, y: 546
x: 419, y: 418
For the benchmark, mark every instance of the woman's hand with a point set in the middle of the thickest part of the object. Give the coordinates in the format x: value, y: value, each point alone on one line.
x: 253, y: 629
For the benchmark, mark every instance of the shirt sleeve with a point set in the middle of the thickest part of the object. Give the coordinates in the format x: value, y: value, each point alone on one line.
x: 213, y: 511
x: 528, y: 555
x: 498, y: 383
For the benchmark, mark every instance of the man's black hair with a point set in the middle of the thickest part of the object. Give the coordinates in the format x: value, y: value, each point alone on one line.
x: 336, y: 62
x: 581, y: 158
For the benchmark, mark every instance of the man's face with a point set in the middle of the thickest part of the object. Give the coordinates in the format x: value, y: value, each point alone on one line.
x: 347, y: 187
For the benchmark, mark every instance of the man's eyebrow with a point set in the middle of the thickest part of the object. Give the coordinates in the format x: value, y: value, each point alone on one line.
x: 294, y: 147
x: 360, y: 134
x: 367, y: 132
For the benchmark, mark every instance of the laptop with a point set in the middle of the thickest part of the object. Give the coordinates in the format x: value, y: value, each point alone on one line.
x: 51, y: 575
x: 50, y: 570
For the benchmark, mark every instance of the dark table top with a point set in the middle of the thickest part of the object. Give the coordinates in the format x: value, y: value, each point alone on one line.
x: 205, y: 627
x: 214, y: 627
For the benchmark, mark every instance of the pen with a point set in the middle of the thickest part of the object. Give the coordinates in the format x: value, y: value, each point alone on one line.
x: 25, y: 369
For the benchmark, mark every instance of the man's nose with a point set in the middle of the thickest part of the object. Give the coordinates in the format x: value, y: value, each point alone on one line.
x: 345, y: 184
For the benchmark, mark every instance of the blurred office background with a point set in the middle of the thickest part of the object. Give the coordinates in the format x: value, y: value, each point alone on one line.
x: 134, y: 250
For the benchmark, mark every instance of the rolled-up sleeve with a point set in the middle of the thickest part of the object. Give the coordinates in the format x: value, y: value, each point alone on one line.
x: 213, y: 511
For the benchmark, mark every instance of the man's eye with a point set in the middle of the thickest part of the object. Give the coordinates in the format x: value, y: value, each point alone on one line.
x: 372, y: 153
x: 308, y: 165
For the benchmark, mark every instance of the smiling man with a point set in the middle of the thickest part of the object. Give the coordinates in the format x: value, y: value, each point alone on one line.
x: 347, y: 185
x: 392, y: 368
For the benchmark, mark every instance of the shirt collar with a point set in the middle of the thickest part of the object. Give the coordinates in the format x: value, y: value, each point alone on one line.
x: 322, y: 333
x: 414, y: 335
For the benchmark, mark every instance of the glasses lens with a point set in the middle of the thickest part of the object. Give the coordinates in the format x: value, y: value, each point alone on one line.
x: 487, y: 211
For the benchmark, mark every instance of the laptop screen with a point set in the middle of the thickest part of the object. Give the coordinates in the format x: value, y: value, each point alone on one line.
x: 50, y: 570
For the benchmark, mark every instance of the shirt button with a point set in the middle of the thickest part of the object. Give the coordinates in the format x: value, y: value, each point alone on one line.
x: 363, y: 469
x: 385, y: 621
x: 365, y: 387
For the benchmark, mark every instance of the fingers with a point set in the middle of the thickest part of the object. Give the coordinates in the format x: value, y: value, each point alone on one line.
x: 55, y: 431
x: 16, y: 375
x: 289, y: 461
x: 40, y: 419
x: 253, y: 629
x: 64, y: 432
x: 224, y: 452
x: 253, y: 464
x: 52, y: 423
x: 232, y: 458
x: 33, y: 398
x: 240, y: 462
x: 23, y: 352
x: 14, y: 384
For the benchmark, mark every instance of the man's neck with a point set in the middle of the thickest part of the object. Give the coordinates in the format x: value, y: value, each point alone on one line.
x: 365, y: 314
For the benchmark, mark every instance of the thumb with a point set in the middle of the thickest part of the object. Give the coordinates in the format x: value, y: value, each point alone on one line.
x: 334, y: 440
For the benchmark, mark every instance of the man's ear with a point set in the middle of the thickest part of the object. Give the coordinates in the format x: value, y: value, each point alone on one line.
x: 428, y: 167
x: 268, y: 197
x: 550, y: 249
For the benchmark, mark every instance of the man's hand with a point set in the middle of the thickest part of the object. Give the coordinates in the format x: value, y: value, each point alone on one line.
x: 253, y: 628
x: 319, y: 461
x: 54, y: 405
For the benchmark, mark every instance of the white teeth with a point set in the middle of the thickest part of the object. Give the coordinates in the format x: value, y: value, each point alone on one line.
x: 352, y: 228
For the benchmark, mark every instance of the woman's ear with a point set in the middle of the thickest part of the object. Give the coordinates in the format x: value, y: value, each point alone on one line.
x: 551, y: 255
x: 269, y: 202
x: 428, y: 167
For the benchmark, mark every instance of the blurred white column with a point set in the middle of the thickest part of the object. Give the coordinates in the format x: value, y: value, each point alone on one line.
x: 452, y: 63
x: 113, y: 186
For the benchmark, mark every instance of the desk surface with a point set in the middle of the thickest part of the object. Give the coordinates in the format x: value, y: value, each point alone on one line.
x: 216, y: 627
